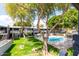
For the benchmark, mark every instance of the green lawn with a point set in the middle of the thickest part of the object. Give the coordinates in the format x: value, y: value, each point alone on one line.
x: 25, y: 46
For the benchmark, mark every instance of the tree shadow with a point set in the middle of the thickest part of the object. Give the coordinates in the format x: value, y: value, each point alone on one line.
x: 50, y: 48
x: 33, y: 39
x: 8, y: 53
x: 39, y: 43
x: 16, y: 38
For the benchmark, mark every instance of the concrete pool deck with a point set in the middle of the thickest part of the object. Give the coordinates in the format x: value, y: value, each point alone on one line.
x: 67, y: 43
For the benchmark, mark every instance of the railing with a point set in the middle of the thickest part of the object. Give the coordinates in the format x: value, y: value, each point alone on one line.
x: 2, y: 31
x: 15, y: 31
x: 3, y: 36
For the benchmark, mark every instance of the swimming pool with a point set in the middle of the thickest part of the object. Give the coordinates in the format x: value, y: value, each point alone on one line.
x: 55, y: 38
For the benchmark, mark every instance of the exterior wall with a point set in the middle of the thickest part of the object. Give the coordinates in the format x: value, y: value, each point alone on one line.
x: 4, y: 45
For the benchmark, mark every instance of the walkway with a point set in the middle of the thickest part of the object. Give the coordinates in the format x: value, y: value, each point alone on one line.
x: 4, y: 45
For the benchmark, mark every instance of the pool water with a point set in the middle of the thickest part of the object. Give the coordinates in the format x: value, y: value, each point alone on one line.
x: 55, y: 39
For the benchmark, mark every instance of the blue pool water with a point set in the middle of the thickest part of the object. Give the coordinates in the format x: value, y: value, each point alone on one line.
x: 55, y: 39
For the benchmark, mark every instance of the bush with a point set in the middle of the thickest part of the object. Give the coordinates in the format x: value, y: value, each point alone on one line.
x: 29, y: 33
x: 0, y: 37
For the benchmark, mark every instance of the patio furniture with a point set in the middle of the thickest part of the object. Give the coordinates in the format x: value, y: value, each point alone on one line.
x: 3, y: 36
x: 62, y: 53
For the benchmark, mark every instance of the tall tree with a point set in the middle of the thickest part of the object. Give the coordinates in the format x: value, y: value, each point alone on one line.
x: 44, y: 11
x: 60, y: 7
x: 15, y: 10
x: 69, y: 19
x: 25, y: 23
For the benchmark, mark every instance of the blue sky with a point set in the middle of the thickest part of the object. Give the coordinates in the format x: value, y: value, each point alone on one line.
x: 5, y: 19
x: 2, y: 9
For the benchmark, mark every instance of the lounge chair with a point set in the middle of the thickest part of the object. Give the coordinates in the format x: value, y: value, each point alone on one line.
x: 62, y: 53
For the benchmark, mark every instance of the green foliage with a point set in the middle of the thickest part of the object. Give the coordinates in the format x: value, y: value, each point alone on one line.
x: 52, y: 21
x: 11, y: 9
x: 0, y: 36
x: 29, y: 33
x: 70, y: 52
x: 54, y: 51
x: 27, y: 23
x: 19, y: 11
x: 69, y: 19
x: 15, y: 11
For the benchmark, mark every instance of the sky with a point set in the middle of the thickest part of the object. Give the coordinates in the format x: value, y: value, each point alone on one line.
x: 35, y: 22
x: 6, y: 20
x: 2, y: 9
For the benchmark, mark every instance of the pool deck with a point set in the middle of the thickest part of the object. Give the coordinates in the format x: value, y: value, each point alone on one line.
x: 67, y: 43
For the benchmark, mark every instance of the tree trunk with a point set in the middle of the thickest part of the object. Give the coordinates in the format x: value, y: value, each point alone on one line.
x: 46, y: 38
x: 45, y: 48
x: 22, y: 28
x: 38, y: 24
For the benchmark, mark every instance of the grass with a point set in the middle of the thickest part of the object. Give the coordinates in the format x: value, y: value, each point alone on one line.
x: 70, y: 52
x: 25, y: 46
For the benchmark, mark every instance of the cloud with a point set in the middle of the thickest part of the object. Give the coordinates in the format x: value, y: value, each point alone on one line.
x: 6, y: 20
